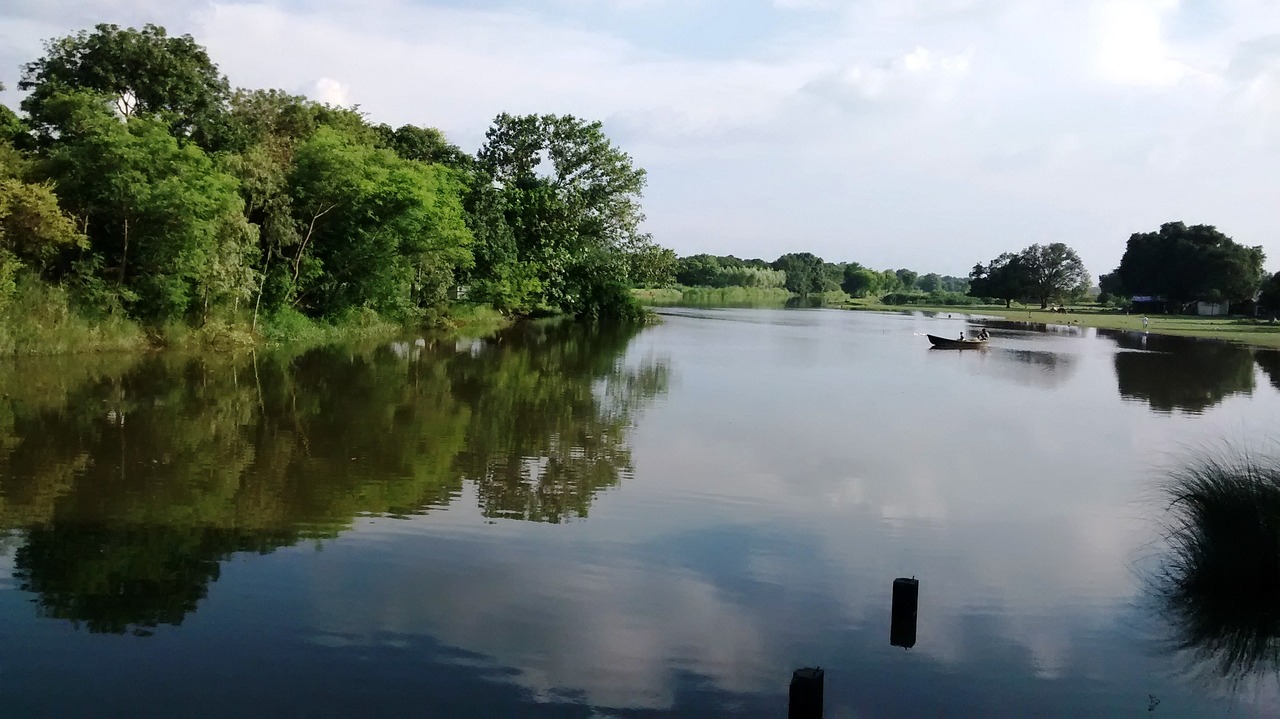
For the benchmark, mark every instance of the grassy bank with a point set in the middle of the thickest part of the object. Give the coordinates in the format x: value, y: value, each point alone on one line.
x: 40, y: 319
x: 1232, y: 329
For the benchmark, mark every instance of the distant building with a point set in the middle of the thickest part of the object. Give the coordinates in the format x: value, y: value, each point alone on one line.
x: 1212, y: 308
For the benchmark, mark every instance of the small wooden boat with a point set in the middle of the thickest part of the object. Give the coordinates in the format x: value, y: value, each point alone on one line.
x: 944, y: 343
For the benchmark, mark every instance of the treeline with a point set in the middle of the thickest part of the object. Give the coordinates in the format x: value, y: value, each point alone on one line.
x: 1169, y: 270
x: 137, y: 183
x: 806, y: 274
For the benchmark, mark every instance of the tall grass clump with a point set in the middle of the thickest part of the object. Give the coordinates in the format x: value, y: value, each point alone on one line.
x: 1220, y: 585
x: 658, y: 295
x: 38, y: 318
x: 289, y: 327
x: 476, y: 319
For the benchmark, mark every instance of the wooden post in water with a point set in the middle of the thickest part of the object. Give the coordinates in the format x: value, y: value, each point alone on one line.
x: 906, y: 601
x: 806, y: 694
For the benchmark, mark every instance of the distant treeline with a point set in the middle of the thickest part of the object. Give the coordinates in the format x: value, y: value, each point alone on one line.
x: 807, y: 274
x: 137, y: 184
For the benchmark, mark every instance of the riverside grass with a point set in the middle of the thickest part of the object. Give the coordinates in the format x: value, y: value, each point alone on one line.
x: 41, y: 320
x: 1245, y: 331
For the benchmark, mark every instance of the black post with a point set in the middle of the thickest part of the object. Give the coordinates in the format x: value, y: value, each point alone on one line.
x: 906, y: 601
x: 806, y: 694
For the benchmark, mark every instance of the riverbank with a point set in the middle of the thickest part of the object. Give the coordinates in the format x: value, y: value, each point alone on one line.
x: 1231, y: 329
x: 42, y: 321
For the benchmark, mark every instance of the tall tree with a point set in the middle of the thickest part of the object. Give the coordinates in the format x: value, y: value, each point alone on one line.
x: 860, y: 281
x: 698, y: 270
x: 375, y: 230
x: 1052, y: 272
x: 572, y: 200
x: 907, y: 278
x: 649, y: 265
x: 164, y: 225
x: 805, y: 272
x: 424, y: 144
x: 144, y: 72
x: 1003, y: 278
x: 1110, y: 287
x: 1269, y: 297
x: 11, y: 126
x: 1182, y: 264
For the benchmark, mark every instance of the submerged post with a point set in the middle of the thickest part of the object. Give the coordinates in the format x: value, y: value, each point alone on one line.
x: 806, y: 694
x: 906, y: 601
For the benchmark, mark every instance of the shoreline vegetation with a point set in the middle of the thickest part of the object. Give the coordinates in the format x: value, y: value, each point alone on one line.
x: 1241, y: 330
x: 145, y: 202
x: 42, y: 321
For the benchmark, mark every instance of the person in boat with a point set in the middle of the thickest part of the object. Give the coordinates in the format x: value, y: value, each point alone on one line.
x: 984, y: 335
x: 962, y: 335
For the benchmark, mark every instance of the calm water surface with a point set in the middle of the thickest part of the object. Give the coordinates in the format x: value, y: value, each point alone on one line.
x: 557, y: 522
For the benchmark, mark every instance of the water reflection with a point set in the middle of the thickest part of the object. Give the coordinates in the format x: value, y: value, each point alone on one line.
x: 130, y: 479
x: 1269, y: 361
x: 1034, y: 368
x: 1220, y: 587
x: 1172, y: 373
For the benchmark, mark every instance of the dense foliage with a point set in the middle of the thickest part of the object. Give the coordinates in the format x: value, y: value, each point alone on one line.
x: 140, y: 183
x: 804, y: 273
x: 1043, y: 273
x: 1181, y: 264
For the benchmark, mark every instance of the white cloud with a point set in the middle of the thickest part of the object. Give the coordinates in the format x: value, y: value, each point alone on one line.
x: 1130, y: 43
x: 330, y: 91
x: 863, y: 131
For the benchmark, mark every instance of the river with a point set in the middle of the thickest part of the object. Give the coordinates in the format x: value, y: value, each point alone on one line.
x: 564, y: 522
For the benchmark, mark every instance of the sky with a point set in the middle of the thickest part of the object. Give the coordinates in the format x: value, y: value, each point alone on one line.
x: 927, y: 134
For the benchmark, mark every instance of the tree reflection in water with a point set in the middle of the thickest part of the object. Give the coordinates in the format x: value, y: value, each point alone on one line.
x: 125, y: 482
x: 1220, y: 583
x: 1176, y: 373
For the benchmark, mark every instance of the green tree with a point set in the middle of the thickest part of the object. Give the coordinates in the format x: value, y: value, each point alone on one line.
x: 931, y: 282
x: 907, y: 278
x: 1003, y: 278
x: 750, y: 276
x: 1053, y: 271
x: 11, y: 126
x: 162, y: 221
x: 805, y: 272
x: 1111, y: 288
x: 375, y: 231
x: 144, y: 72
x: 34, y: 231
x: 860, y: 281
x: 649, y: 265
x: 1182, y: 264
x: 571, y: 199
x: 697, y: 271
x: 1269, y: 297
x: 423, y: 144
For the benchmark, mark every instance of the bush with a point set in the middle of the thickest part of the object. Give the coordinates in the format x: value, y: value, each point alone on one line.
x: 1221, y: 581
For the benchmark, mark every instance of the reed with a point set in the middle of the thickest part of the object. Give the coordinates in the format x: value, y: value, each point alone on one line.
x: 1220, y: 585
x: 40, y: 319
